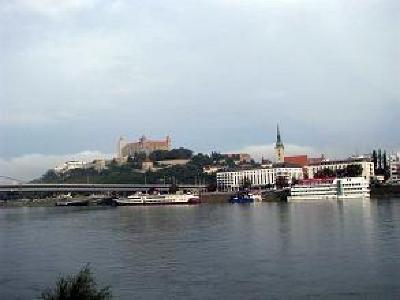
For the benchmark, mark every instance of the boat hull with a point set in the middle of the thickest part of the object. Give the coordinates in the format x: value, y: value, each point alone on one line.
x: 123, y: 203
x: 155, y: 202
x: 73, y: 203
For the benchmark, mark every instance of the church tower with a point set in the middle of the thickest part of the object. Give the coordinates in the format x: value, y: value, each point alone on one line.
x: 279, y: 148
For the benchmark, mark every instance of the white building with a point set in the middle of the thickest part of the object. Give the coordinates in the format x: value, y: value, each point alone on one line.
x: 232, y: 181
x: 394, y: 165
x: 367, y: 166
x: 212, y: 169
x: 70, y: 165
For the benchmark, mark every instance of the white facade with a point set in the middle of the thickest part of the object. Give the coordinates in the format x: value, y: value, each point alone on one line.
x: 70, y: 165
x: 231, y: 181
x: 331, y: 189
x: 212, y: 169
x: 394, y: 165
x: 367, y: 166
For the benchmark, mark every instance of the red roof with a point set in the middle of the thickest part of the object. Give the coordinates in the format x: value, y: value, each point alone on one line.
x: 301, y: 160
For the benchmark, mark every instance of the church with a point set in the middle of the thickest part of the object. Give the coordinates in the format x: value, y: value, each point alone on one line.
x: 279, y: 148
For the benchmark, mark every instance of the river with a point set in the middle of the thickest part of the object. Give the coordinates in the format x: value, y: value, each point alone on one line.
x: 318, y: 250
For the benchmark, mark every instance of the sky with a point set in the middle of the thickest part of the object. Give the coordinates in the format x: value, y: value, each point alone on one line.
x: 213, y: 74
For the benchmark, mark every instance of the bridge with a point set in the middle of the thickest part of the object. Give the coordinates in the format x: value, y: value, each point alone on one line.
x: 93, y: 188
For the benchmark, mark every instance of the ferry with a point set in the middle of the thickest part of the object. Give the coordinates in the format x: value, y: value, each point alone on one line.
x: 330, y: 189
x: 158, y: 199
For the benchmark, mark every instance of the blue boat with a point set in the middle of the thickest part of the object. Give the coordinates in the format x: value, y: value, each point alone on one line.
x: 242, y: 198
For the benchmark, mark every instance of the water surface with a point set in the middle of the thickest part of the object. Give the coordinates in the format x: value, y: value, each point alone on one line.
x: 324, y: 250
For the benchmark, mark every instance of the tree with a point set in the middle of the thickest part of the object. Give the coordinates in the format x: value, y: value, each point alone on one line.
x: 353, y: 171
x: 294, y: 180
x: 246, y: 183
x: 230, y: 163
x: 379, y: 166
x: 326, y: 172
x: 375, y: 159
x: 201, y: 160
x: 216, y: 156
x: 212, y: 187
x: 180, y: 153
x: 386, y: 170
x: 281, y: 182
x: 78, y: 287
x: 139, y: 157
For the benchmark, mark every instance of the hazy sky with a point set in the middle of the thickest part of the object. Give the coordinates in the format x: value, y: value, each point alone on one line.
x: 214, y: 74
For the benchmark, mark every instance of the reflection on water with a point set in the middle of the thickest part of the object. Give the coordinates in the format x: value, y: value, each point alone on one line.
x: 320, y: 249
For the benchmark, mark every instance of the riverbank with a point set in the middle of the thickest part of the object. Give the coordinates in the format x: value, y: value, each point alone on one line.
x: 210, y: 198
x: 377, y: 192
x: 47, y: 202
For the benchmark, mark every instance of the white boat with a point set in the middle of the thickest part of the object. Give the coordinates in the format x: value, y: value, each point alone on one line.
x: 330, y: 189
x: 160, y: 199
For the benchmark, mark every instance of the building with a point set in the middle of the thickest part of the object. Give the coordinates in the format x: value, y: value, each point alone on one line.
x: 143, y: 145
x: 238, y: 157
x: 394, y: 169
x: 173, y: 162
x: 147, y: 165
x: 279, y: 148
x: 316, y: 160
x: 304, y: 160
x: 300, y: 160
x: 70, y: 165
x: 259, y: 178
x: 366, y: 164
x: 266, y: 163
x: 98, y: 165
x: 212, y: 169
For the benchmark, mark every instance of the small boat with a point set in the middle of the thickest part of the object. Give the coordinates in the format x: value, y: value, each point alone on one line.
x: 73, y: 203
x: 245, y: 198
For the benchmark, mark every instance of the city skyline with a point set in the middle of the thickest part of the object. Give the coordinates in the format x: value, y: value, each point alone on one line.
x: 217, y: 75
x: 28, y: 167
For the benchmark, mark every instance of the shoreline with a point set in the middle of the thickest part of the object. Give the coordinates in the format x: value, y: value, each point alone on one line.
x: 221, y: 199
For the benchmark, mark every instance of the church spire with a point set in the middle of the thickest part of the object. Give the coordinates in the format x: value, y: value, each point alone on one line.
x: 278, y: 136
x: 279, y: 148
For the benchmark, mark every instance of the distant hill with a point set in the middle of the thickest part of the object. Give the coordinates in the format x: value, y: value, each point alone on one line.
x: 131, y: 172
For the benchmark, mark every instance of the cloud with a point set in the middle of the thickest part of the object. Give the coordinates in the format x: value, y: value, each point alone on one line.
x: 30, y: 166
x: 327, y: 71
x: 50, y: 8
x: 35, y: 118
x: 268, y: 151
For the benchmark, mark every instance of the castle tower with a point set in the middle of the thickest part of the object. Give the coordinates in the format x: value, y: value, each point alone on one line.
x: 279, y: 148
x: 168, y: 141
x: 121, y: 143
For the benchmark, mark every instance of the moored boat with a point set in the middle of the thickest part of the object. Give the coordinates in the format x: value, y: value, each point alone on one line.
x: 330, y: 189
x: 245, y: 198
x: 159, y: 199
